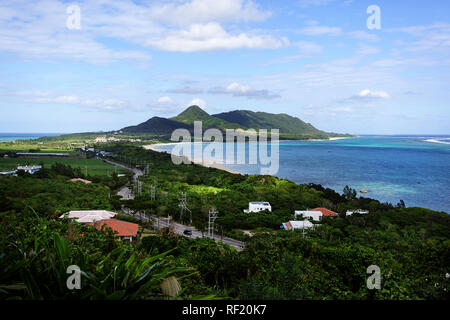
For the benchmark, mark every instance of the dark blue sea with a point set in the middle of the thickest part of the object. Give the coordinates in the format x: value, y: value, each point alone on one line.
x: 415, y: 169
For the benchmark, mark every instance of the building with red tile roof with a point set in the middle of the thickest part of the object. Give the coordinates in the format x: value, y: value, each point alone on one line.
x: 123, y: 230
x: 325, y: 212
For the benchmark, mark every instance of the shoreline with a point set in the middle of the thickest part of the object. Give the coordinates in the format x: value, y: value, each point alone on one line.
x: 203, y: 163
x: 208, y: 164
x: 329, y: 139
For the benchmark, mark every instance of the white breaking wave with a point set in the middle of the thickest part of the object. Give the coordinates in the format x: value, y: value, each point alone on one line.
x: 438, y: 140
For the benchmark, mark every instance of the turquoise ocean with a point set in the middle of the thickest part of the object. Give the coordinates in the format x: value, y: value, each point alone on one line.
x: 415, y: 169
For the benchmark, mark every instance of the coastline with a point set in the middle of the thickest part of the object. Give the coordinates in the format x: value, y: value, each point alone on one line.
x: 203, y: 163
x: 215, y: 165
x: 330, y: 139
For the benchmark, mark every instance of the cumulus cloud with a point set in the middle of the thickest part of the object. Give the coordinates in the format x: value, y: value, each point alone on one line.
x: 37, y: 29
x: 367, y: 95
x: 238, y: 90
x: 164, y: 100
x: 166, y: 105
x: 211, y: 36
x: 197, y: 102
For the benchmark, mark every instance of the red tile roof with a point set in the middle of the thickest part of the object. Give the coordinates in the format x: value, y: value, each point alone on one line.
x: 325, y: 212
x: 123, y: 228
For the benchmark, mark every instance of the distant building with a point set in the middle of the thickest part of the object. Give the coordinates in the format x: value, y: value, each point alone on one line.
x: 258, y: 207
x: 125, y: 231
x: 29, y: 169
x: 359, y: 211
x: 292, y: 225
x: 315, y: 215
x: 9, y: 173
x: 88, y: 216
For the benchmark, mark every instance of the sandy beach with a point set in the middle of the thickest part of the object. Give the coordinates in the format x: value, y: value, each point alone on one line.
x: 331, y: 139
x: 204, y: 163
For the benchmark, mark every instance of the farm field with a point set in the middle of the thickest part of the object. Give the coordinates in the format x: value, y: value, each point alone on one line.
x: 95, y: 167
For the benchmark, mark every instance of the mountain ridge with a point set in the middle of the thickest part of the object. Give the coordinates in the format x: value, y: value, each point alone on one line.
x: 290, y: 127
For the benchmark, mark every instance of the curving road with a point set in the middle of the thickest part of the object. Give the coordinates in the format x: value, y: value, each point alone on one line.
x: 126, y: 194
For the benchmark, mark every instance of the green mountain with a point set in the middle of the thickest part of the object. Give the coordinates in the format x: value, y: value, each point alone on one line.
x: 289, y: 126
x: 195, y: 113
x: 157, y: 125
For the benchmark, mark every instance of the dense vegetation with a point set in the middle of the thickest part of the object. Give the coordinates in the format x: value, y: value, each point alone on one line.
x: 410, y: 245
x: 290, y: 127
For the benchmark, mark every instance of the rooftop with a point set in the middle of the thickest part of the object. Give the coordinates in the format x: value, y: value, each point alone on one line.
x: 122, y: 228
x: 326, y: 212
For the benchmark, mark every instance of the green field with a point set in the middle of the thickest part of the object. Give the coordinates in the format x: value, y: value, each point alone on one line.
x: 94, y: 167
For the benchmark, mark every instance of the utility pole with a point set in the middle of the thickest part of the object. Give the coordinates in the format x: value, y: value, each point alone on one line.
x: 153, y: 193
x: 183, y: 208
x: 211, y: 218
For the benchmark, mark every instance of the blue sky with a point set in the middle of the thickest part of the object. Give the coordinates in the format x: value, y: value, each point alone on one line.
x: 314, y: 59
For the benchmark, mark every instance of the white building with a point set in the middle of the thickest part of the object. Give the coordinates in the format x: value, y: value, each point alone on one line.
x: 89, y: 216
x: 292, y: 225
x: 258, y: 207
x: 359, y: 211
x: 30, y: 169
x: 315, y: 215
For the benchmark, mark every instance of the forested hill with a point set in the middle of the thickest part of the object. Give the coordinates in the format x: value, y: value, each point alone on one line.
x: 290, y: 127
x: 263, y: 120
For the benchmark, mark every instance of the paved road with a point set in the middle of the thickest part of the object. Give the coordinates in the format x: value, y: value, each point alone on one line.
x: 179, y: 228
x: 126, y: 193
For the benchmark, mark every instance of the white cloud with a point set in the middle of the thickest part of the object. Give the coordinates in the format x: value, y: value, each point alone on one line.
x: 434, y: 37
x: 238, y: 90
x: 165, y: 100
x: 197, y: 102
x: 204, y: 11
x: 37, y: 29
x: 211, y: 36
x: 367, y: 95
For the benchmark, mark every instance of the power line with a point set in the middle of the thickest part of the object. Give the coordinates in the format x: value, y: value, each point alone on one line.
x: 183, y: 208
x: 211, y: 219
x: 152, y: 193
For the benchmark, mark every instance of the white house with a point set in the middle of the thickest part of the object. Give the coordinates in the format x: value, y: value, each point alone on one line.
x: 30, y: 169
x: 258, y: 206
x: 292, y: 225
x: 89, y: 216
x: 315, y: 215
x: 359, y: 211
